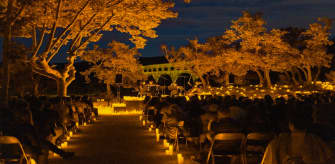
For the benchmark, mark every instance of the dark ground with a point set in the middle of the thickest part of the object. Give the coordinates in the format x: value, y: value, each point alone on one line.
x: 115, y: 140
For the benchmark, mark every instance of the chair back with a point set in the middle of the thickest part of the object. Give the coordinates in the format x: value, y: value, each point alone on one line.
x: 229, y: 136
x: 11, y: 140
x: 258, y: 138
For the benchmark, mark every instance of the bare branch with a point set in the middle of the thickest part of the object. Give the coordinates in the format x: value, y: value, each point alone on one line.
x: 71, y: 24
x: 81, y: 29
x: 37, y: 48
x: 52, y: 35
x: 96, y: 32
x: 17, y: 15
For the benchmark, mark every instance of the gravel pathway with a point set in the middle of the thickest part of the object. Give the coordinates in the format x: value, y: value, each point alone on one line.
x: 115, y: 140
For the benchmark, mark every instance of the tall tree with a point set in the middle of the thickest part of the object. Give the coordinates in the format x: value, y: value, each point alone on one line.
x: 194, y: 57
x: 14, y: 20
x: 315, y: 52
x: 73, y: 24
x: 116, y: 59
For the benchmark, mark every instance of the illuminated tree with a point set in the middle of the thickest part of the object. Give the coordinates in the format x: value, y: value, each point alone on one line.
x: 262, y: 50
x: 14, y: 20
x: 194, y: 57
x: 116, y: 59
x: 228, y: 58
x: 315, y: 52
x: 72, y: 24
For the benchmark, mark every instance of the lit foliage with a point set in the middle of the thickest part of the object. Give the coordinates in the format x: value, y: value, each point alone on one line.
x: 73, y: 24
x: 315, y: 51
x: 117, y: 58
x: 195, y: 57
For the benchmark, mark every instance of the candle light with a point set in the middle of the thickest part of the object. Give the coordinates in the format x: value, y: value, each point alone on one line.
x: 157, y: 137
x: 64, y: 144
x: 165, y: 143
x: 140, y: 118
x: 68, y: 138
x: 171, y: 149
x: 152, y: 126
x: 143, y: 122
x: 180, y: 158
x: 71, y: 133
x: 77, y: 124
x: 84, y: 123
x: 150, y: 129
x: 167, y: 152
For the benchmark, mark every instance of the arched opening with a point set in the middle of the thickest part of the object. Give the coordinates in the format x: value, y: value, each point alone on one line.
x: 185, y: 80
x: 150, y: 78
x: 164, y: 80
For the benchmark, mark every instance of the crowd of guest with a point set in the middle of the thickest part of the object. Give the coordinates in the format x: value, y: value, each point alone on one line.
x: 302, y: 128
x: 41, y: 123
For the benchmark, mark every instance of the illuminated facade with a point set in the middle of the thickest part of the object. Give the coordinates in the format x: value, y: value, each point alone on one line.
x: 159, y: 66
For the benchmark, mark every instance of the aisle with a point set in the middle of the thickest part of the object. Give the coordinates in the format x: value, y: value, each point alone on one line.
x: 115, y: 140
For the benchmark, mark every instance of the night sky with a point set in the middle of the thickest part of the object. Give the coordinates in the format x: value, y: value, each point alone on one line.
x: 205, y: 18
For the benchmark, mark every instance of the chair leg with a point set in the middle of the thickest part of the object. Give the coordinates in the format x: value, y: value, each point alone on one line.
x: 210, y: 154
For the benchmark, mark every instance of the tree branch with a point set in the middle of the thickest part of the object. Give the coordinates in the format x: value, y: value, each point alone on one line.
x: 54, y: 26
x: 96, y: 32
x: 81, y: 29
x: 39, y: 43
x: 17, y: 15
x: 71, y: 24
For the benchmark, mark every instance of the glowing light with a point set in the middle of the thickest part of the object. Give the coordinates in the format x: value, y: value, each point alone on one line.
x: 143, y: 123
x: 180, y: 158
x: 68, y: 138
x: 171, y: 149
x: 165, y: 143
x: 152, y: 126
x: 133, y: 98
x: 157, y: 137
x: 71, y: 133
x: 85, y: 124
x: 167, y: 152
x: 150, y: 129
x: 77, y: 124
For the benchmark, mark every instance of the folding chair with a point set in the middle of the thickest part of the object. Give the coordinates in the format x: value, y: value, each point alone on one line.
x: 226, y: 144
x: 255, y: 145
x: 11, y: 151
x: 178, y: 135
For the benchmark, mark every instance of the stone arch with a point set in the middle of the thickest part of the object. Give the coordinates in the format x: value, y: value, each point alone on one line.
x: 164, y: 80
x: 185, y: 79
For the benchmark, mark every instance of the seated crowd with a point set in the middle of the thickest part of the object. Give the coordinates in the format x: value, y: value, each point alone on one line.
x: 299, y: 129
x: 42, y: 124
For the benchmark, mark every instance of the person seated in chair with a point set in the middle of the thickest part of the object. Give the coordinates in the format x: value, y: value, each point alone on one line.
x: 298, y: 146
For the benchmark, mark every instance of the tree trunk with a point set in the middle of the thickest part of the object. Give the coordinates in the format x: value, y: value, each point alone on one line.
x: 305, y: 73
x: 226, y: 76
x: 293, y: 78
x: 36, y: 92
x: 62, y: 87
x: 260, y: 77
x: 5, y: 63
x: 203, y: 81
x: 108, y: 91
x: 317, y: 73
x: 297, y: 71
x: 267, y: 77
x: 288, y: 77
x: 309, y: 74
